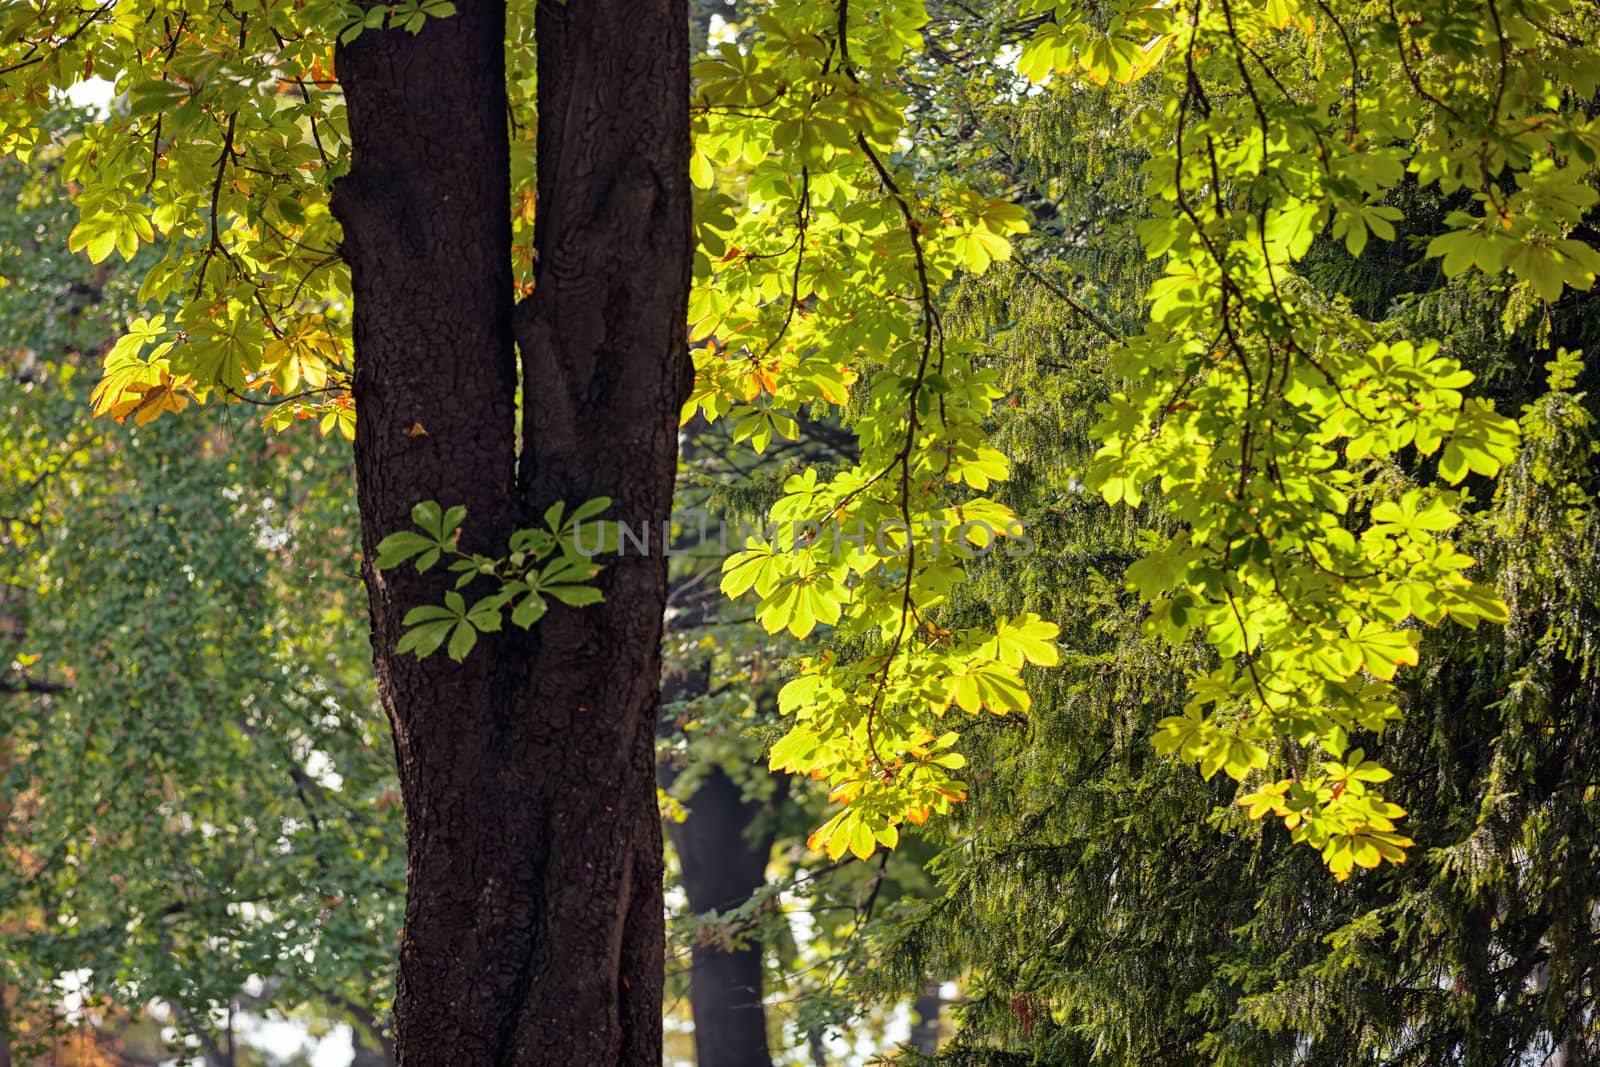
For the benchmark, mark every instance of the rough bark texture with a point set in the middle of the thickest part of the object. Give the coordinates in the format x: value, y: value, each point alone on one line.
x: 723, y: 863
x: 533, y: 930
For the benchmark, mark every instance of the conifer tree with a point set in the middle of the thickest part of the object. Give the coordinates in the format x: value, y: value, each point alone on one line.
x: 1097, y: 920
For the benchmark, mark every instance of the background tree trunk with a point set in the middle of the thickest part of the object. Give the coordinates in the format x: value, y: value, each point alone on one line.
x: 723, y: 864
x: 925, y: 1012
x: 722, y: 859
x: 5, y: 1028
x: 6, y: 749
x: 533, y: 930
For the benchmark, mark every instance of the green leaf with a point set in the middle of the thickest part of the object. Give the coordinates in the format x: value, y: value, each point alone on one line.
x: 530, y: 610
x: 576, y: 596
x: 428, y: 516
x: 590, y: 508
x: 462, y: 638
x: 1026, y: 639
x: 399, y: 547
x: 424, y: 640
x: 793, y: 750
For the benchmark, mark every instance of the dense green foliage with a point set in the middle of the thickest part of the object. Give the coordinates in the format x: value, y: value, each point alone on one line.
x: 1211, y: 374
x: 183, y: 685
x: 1099, y: 920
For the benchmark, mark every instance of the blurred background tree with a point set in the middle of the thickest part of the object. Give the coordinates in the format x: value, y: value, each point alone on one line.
x: 198, y: 814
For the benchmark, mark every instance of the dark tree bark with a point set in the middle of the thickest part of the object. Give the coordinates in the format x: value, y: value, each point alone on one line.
x: 533, y: 927
x: 723, y: 864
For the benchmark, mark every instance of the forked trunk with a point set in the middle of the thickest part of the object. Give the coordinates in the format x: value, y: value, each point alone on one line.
x: 533, y: 930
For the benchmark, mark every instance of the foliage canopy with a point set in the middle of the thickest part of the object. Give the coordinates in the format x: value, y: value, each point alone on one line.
x: 1267, y: 417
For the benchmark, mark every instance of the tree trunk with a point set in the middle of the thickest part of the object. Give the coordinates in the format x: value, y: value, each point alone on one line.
x: 722, y: 866
x: 925, y: 1011
x: 5, y: 1026
x: 819, y: 1052
x: 533, y: 926
x: 6, y: 750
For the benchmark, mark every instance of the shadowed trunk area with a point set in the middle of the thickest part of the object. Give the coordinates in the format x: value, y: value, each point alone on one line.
x: 533, y: 929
